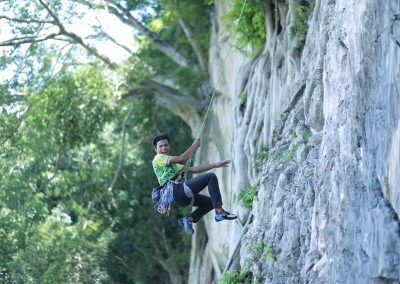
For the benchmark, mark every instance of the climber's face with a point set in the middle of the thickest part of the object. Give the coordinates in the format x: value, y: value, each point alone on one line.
x: 162, y: 147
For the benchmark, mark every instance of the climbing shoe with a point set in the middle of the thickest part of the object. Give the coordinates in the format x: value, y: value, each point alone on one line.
x: 224, y: 216
x: 186, y: 225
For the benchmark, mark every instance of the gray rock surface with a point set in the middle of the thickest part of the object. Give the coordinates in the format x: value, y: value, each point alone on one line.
x: 328, y: 200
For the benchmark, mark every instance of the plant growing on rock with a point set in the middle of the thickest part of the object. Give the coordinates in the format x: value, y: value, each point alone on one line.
x: 269, y: 253
x: 251, y: 28
x: 243, y: 98
x: 300, y: 25
x: 242, y: 276
x: 248, y: 196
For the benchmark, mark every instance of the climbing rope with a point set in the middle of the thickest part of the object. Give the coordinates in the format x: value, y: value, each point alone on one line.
x: 223, y: 65
x: 188, y: 162
x: 161, y: 205
x: 164, y: 205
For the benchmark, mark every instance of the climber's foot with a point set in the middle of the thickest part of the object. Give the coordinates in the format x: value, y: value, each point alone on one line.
x: 224, y: 215
x: 186, y: 225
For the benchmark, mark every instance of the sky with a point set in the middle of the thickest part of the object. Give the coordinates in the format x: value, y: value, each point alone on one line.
x: 121, y: 32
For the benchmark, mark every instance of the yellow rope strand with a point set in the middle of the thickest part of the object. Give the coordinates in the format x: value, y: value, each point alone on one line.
x: 216, y: 85
x: 223, y: 65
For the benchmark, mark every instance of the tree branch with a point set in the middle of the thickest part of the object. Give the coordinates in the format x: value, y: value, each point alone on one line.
x: 161, y: 261
x: 113, y: 40
x: 19, y: 40
x: 163, y: 80
x: 185, y: 107
x: 104, y: 34
x: 163, y: 236
x: 90, y: 49
x: 14, y: 130
x: 27, y: 39
x: 121, y: 150
x: 170, y: 269
x: 123, y: 262
x: 76, y: 38
x: 187, y: 29
x: 172, y: 95
x: 51, y: 13
x: 17, y: 98
x: 126, y: 17
x: 27, y: 21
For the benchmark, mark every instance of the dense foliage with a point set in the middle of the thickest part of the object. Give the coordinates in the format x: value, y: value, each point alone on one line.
x: 75, y: 156
x: 60, y: 221
x: 251, y: 28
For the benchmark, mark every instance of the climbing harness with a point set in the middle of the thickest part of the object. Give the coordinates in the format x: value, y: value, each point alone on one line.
x: 166, y: 195
x: 163, y: 196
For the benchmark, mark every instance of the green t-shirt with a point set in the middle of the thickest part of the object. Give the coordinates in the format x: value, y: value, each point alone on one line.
x: 163, y: 171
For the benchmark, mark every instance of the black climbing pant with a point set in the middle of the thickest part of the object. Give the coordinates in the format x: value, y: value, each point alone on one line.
x: 204, y: 203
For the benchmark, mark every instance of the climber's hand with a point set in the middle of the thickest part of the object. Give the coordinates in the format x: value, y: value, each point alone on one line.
x: 196, y: 144
x: 222, y: 164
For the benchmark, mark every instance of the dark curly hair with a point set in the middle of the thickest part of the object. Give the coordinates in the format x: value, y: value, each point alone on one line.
x: 159, y: 138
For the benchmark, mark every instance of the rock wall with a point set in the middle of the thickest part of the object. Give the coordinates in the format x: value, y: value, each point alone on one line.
x: 325, y: 127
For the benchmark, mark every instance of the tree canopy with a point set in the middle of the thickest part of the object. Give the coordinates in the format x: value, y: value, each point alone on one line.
x: 76, y: 126
x: 76, y: 131
x: 170, y: 63
x: 64, y: 216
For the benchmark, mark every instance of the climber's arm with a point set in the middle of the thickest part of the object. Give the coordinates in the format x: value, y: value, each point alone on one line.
x: 204, y: 168
x: 181, y: 159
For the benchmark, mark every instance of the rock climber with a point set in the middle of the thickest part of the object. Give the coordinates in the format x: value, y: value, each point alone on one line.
x: 169, y: 171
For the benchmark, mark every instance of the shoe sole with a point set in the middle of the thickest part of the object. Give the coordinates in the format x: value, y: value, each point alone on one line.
x: 228, y: 219
x: 183, y: 227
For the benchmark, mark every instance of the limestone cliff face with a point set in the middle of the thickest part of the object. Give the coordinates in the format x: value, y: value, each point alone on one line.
x: 325, y: 127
